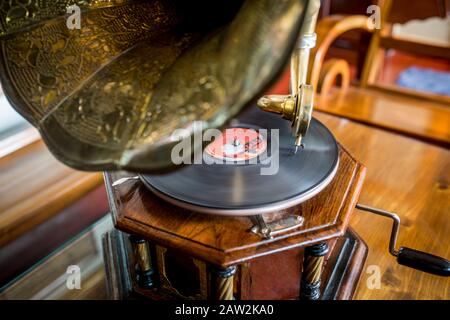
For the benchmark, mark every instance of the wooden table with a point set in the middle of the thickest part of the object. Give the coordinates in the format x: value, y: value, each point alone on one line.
x: 423, y: 119
x: 410, y: 178
x: 403, y: 175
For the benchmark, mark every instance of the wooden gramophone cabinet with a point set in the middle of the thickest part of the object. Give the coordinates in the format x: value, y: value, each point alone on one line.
x: 161, y: 251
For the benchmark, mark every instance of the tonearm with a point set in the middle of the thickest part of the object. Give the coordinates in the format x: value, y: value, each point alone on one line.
x: 297, y: 107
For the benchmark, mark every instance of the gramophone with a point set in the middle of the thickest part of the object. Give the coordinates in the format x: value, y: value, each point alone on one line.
x: 258, y: 210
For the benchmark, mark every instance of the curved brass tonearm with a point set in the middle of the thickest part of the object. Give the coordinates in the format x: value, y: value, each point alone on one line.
x: 297, y: 107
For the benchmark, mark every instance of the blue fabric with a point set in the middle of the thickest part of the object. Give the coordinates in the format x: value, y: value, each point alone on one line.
x: 429, y: 80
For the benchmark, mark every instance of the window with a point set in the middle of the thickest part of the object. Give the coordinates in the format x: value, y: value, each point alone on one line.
x: 11, y: 122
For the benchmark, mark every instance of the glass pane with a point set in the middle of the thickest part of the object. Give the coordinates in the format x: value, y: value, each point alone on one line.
x: 48, y: 279
x: 10, y: 121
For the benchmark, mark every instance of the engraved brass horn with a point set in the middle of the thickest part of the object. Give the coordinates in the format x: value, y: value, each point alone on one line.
x: 109, y: 95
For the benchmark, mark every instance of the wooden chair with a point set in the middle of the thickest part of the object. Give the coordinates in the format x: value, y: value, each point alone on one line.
x: 425, y: 116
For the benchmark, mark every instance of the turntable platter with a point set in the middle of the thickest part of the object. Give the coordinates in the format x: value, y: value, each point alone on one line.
x: 240, y: 188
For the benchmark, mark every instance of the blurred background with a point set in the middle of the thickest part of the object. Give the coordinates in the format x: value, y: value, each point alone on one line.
x: 396, y: 79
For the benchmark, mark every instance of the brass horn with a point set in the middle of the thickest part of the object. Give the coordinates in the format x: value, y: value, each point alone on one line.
x: 109, y: 95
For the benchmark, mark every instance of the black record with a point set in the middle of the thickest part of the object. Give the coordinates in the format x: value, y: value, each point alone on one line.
x: 240, y: 188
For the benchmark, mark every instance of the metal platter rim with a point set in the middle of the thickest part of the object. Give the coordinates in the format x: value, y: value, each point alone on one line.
x: 280, y: 205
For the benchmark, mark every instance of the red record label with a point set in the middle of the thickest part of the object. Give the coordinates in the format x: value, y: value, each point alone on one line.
x: 237, y: 144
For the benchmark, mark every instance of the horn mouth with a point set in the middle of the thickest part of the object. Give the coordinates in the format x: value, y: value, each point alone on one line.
x: 110, y: 95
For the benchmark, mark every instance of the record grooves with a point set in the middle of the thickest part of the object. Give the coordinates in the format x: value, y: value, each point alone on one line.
x: 241, y: 189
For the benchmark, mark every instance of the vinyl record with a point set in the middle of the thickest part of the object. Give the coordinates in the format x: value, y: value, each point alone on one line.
x: 238, y: 187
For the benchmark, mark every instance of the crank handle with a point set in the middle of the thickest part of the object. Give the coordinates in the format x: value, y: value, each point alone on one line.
x: 415, y: 259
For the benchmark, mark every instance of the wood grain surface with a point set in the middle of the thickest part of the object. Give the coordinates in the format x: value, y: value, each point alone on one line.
x: 34, y: 186
x: 410, y: 178
x: 426, y: 120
